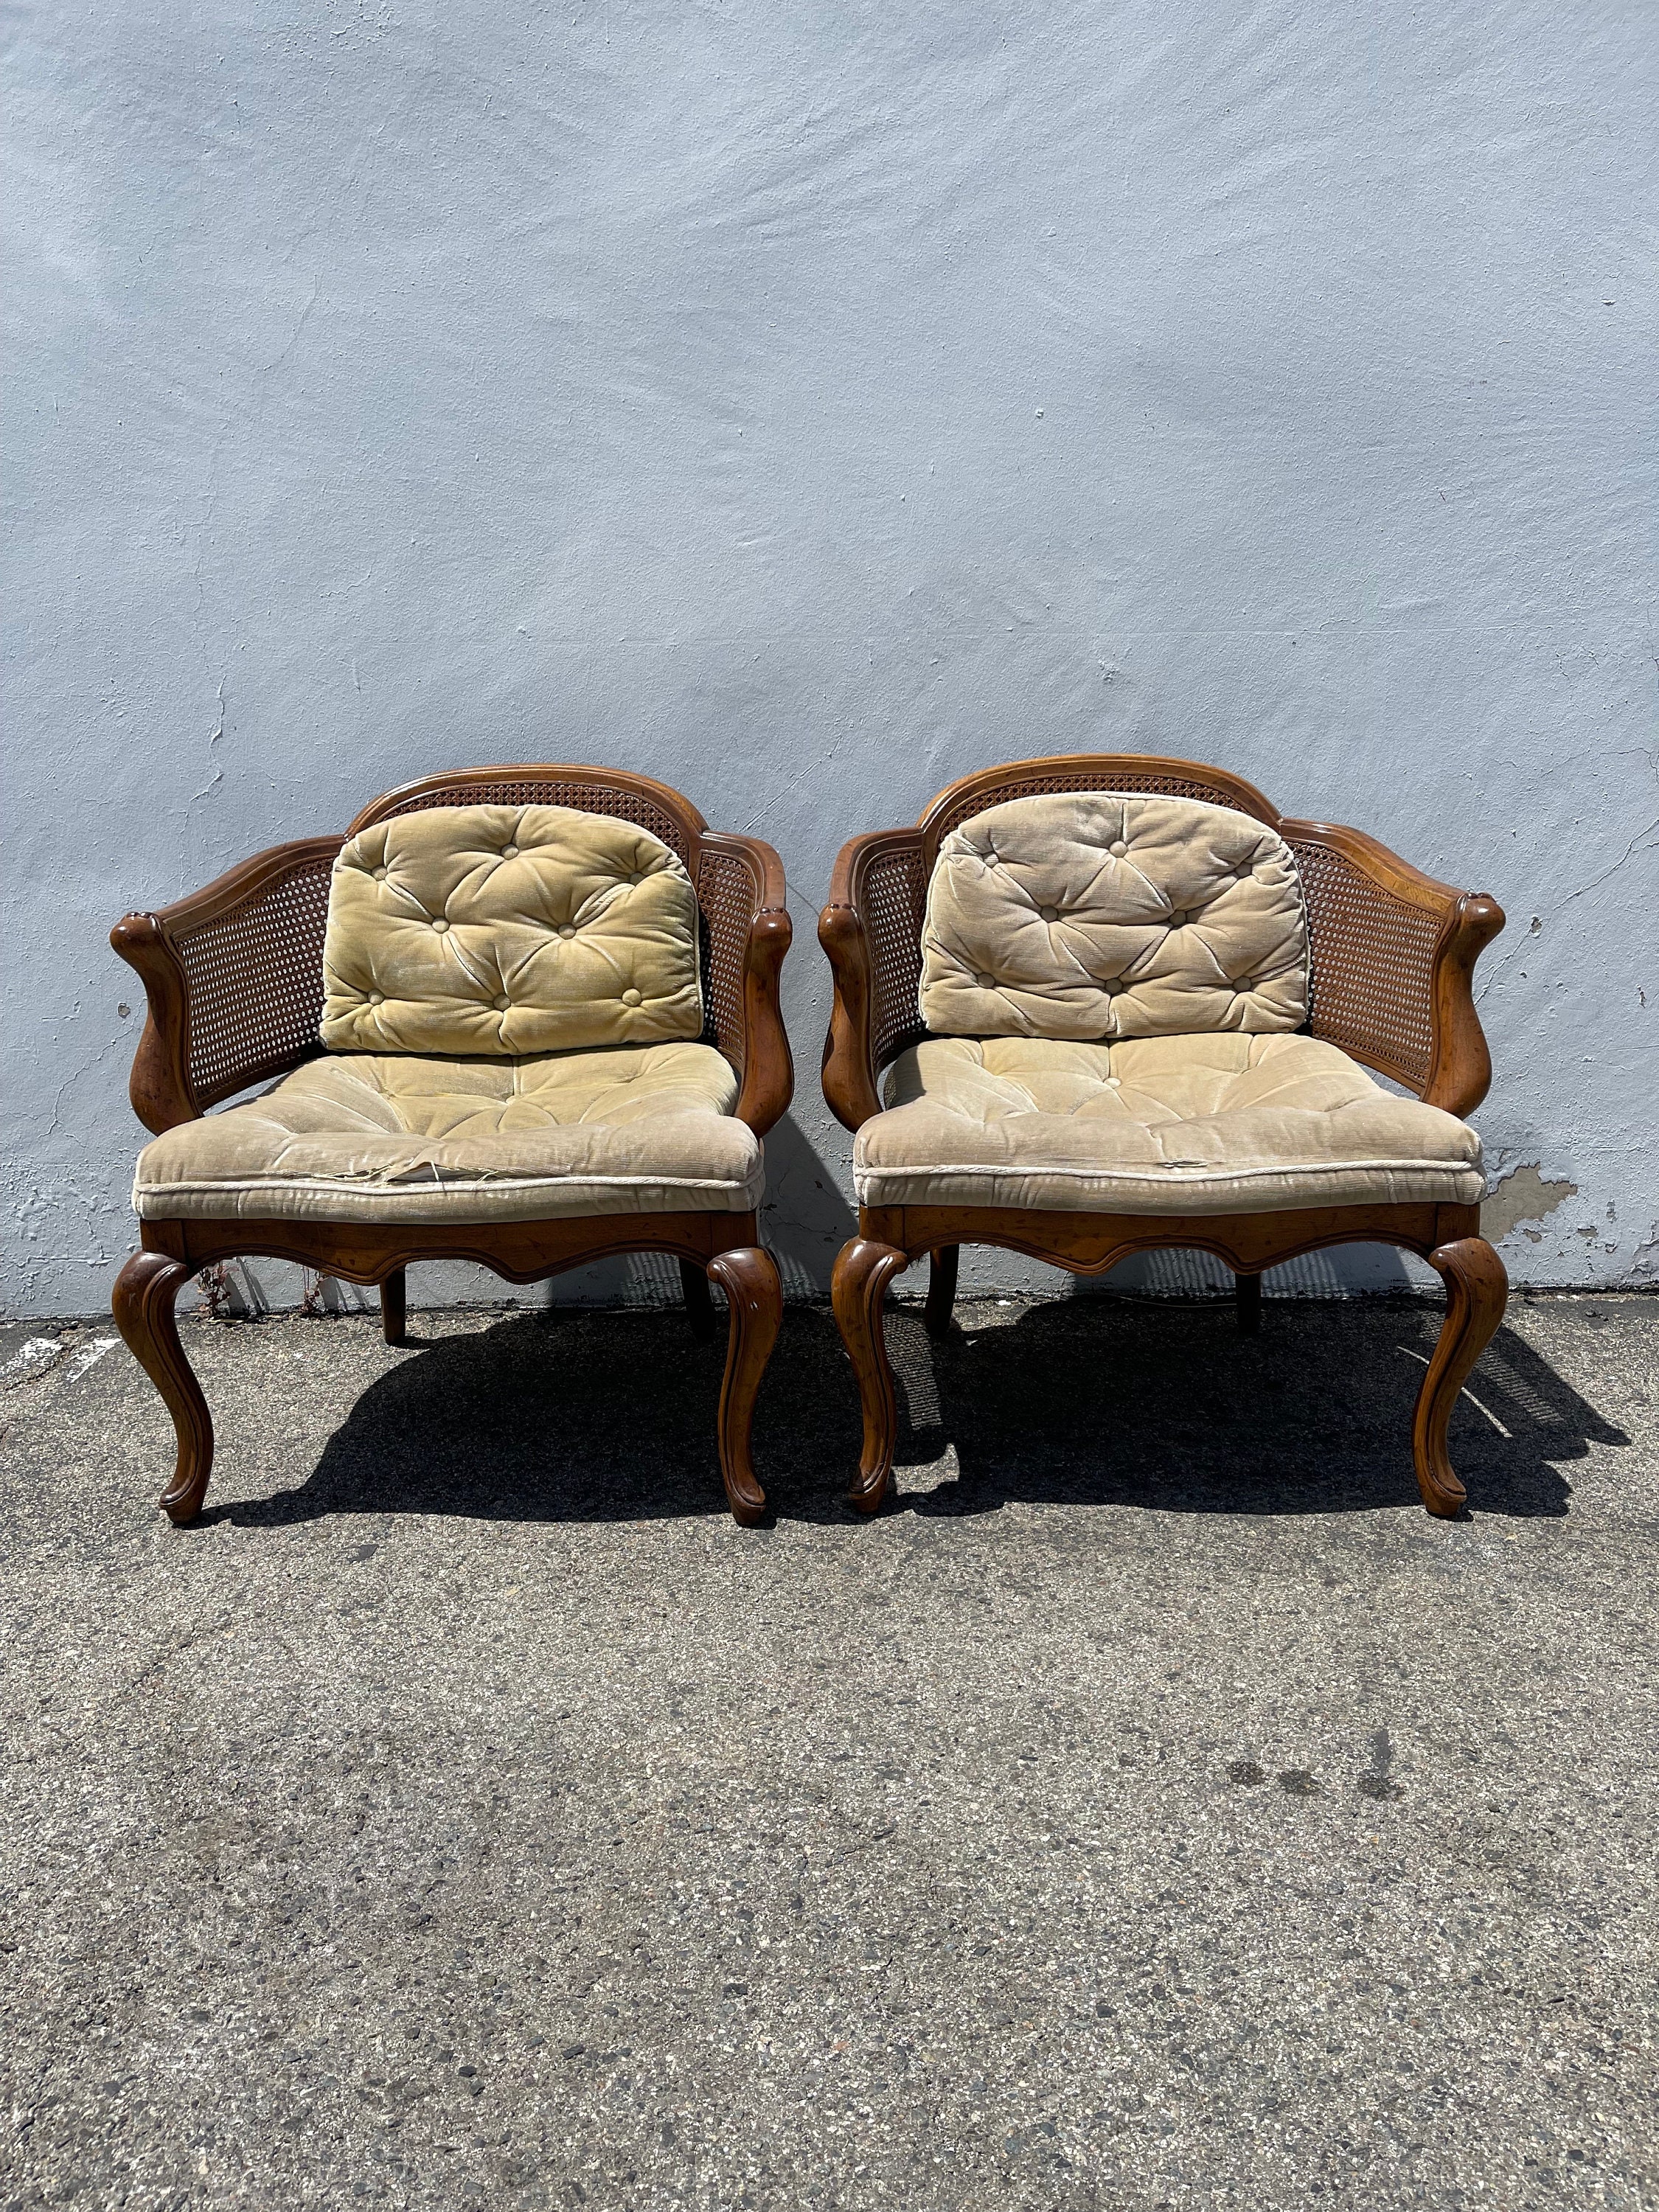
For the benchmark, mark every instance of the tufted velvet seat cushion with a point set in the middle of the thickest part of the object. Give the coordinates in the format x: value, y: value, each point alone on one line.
x: 400, y: 1138
x: 508, y: 930
x: 1094, y: 914
x: 1207, y: 1124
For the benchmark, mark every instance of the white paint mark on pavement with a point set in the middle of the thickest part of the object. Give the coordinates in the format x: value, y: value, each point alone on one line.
x: 88, y: 1355
x: 37, y: 1355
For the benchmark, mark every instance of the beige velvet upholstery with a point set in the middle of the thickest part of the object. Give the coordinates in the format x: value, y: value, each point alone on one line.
x: 508, y: 930
x: 1208, y: 1124
x: 361, y: 1137
x: 1093, y: 915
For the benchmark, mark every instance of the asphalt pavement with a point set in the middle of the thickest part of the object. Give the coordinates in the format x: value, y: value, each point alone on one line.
x: 1154, y: 1808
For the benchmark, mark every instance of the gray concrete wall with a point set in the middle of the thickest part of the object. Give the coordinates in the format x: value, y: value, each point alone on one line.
x: 806, y: 405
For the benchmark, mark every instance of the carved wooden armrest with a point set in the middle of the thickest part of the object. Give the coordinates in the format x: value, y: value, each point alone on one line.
x: 1394, y: 955
x: 234, y: 974
x: 740, y: 888
x: 872, y: 932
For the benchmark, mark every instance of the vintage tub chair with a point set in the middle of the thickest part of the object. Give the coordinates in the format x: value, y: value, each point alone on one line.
x: 526, y: 1016
x: 1122, y: 1003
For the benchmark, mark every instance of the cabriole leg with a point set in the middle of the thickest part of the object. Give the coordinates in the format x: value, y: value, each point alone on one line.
x: 142, y: 1306
x: 1249, y: 1289
x: 699, y: 1306
x: 393, y: 1313
x: 941, y: 1288
x: 1477, y: 1291
x: 863, y: 1271
x: 754, y: 1292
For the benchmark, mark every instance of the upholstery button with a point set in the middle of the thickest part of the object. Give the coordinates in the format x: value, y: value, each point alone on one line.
x: 1049, y: 913
x: 378, y: 874
x: 631, y: 998
x: 441, y: 925
x: 566, y: 930
x: 501, y: 1005
x: 509, y: 852
x: 1115, y: 1083
x: 1118, y: 849
x: 377, y: 997
x: 986, y: 982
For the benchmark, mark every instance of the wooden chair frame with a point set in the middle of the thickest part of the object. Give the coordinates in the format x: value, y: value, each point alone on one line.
x: 1392, y: 955
x: 234, y: 977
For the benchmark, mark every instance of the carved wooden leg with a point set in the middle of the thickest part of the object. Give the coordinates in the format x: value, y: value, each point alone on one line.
x: 393, y: 1313
x: 941, y: 1288
x: 142, y: 1306
x: 1248, y: 1289
x: 863, y: 1271
x: 1477, y: 1291
x: 699, y: 1306
x: 754, y: 1292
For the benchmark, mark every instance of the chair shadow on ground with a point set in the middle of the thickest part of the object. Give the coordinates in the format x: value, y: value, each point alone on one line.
x: 575, y: 1416
x: 1172, y: 1408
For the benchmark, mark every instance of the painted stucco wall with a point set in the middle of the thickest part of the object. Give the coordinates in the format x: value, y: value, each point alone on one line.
x: 805, y: 405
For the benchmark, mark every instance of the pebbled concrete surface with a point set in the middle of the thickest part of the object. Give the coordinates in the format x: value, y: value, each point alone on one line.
x: 1156, y: 1809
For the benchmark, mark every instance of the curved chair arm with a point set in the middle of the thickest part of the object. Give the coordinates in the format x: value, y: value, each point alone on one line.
x: 872, y: 932
x: 233, y: 974
x: 744, y: 873
x: 1394, y: 955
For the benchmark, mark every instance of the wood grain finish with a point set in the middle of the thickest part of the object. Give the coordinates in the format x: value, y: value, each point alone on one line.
x: 1449, y: 1236
x: 741, y: 888
x: 162, y: 1089
x: 942, y: 1266
x: 1477, y: 1291
x: 1456, y: 1072
x: 1094, y: 1243
x: 864, y: 1268
x: 520, y: 1251
x: 754, y: 1294
x: 767, y: 1067
x: 680, y: 823
x: 394, y: 1308
x: 144, y: 1306
x: 853, y: 1052
x: 1426, y: 932
x: 157, y: 944
x: 1393, y: 959
x: 699, y: 1306
x: 1139, y: 772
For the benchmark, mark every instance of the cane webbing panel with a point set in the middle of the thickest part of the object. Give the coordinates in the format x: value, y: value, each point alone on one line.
x: 1373, y: 964
x: 1081, y: 779
x: 255, y: 978
x: 893, y: 898
x: 727, y: 898
x: 616, y: 798
x: 892, y: 904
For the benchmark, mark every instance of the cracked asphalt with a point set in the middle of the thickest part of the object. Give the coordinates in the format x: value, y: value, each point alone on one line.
x: 1155, y: 1808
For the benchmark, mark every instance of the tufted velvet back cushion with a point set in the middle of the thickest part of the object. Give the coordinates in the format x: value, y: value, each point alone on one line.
x: 508, y: 930
x: 1092, y: 914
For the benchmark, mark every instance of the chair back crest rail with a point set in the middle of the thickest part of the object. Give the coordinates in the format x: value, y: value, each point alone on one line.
x: 1392, y: 950
x: 234, y: 972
